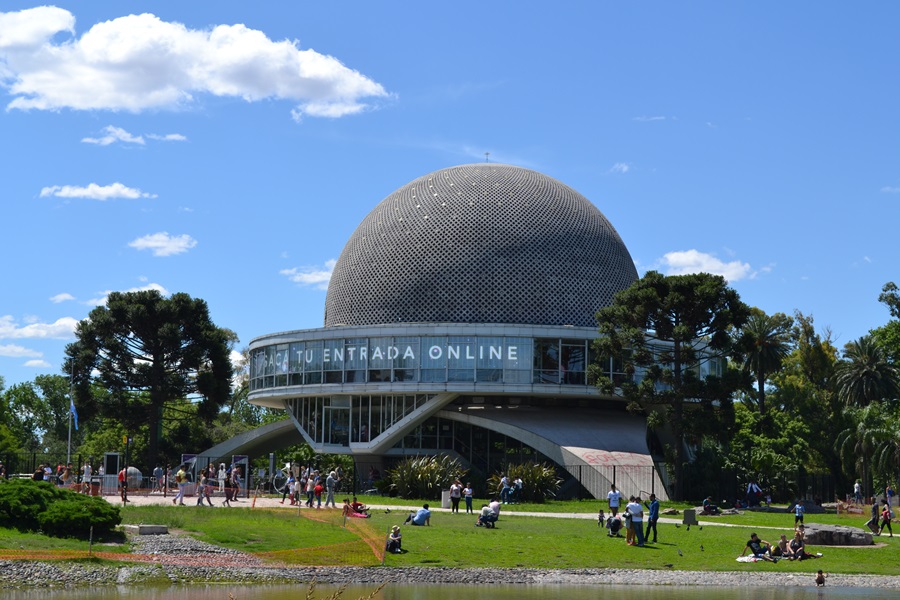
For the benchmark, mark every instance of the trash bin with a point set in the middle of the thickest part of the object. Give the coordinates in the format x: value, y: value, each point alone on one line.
x: 445, y: 498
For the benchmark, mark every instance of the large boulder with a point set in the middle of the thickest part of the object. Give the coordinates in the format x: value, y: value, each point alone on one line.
x: 836, y: 535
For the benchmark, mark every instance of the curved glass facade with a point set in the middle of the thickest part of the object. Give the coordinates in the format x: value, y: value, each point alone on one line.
x: 425, y: 359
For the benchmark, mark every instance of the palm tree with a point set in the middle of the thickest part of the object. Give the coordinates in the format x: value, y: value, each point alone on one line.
x: 765, y: 341
x: 857, y: 444
x: 864, y: 375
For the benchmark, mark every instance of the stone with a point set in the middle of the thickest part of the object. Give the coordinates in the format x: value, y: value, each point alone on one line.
x: 836, y: 535
x: 146, y: 529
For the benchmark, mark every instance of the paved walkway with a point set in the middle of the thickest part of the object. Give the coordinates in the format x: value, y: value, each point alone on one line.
x: 270, y: 502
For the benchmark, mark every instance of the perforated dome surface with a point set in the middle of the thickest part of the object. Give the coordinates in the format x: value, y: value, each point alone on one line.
x: 480, y: 243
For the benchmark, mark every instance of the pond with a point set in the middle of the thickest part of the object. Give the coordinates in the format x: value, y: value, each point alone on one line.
x: 454, y: 592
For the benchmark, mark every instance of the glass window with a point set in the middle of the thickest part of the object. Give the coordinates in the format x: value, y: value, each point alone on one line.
x: 296, y: 358
x: 434, y: 353
x: 518, y: 354
x: 461, y: 352
x: 312, y: 357
x: 378, y: 353
x: 405, y: 353
x: 333, y: 355
x: 355, y: 352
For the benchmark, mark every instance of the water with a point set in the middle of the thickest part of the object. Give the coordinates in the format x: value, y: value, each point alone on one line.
x: 455, y: 592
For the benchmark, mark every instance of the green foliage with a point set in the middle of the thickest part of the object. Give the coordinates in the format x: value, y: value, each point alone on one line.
x: 74, y: 517
x: 667, y: 331
x: 148, y: 351
x: 36, y: 505
x: 762, y: 453
x: 424, y: 476
x: 765, y: 342
x: 539, y: 480
x: 865, y: 375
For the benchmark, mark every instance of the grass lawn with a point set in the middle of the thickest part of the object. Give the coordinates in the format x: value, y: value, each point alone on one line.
x: 518, y: 541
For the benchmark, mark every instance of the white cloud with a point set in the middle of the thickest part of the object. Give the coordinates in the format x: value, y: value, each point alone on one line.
x: 317, y: 277
x: 38, y: 363
x: 620, y: 168
x: 890, y: 189
x: 33, y: 27
x: 693, y: 261
x: 141, y: 62
x: 144, y: 288
x: 95, y: 192
x: 163, y: 244
x: 64, y: 297
x: 169, y: 137
x: 14, y: 351
x: 114, y: 134
x: 63, y: 328
x: 648, y: 119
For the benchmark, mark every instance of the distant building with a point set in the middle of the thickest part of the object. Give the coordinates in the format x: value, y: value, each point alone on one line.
x: 459, y: 320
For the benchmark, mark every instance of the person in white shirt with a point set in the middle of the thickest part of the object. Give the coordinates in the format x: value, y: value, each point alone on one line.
x: 636, y: 509
x: 614, y: 497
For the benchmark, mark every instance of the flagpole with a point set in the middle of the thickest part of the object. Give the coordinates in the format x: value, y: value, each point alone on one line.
x: 71, y: 404
x: 69, y: 445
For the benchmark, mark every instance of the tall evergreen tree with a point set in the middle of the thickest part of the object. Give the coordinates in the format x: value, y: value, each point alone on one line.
x: 146, y: 351
x: 668, y: 331
x: 765, y: 341
x: 865, y: 375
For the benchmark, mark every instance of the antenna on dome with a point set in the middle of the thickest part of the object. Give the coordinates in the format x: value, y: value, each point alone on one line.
x: 487, y: 157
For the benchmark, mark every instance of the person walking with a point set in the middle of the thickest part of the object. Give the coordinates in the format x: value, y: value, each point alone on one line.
x: 180, y: 480
x: 886, y: 515
x: 614, y: 498
x: 330, y: 485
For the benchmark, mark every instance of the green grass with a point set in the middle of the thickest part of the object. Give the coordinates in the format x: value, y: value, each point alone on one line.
x: 250, y: 530
x: 518, y: 541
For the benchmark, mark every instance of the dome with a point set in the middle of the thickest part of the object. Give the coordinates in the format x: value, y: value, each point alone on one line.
x: 479, y: 243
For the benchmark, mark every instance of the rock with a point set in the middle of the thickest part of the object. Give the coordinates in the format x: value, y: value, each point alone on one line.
x: 836, y: 535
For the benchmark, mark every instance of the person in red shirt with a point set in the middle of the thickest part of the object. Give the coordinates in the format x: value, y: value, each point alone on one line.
x: 123, y: 484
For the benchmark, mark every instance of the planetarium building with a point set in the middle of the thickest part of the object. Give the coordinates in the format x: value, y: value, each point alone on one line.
x: 459, y: 320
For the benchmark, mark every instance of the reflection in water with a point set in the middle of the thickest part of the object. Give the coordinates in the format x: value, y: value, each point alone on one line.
x: 453, y: 592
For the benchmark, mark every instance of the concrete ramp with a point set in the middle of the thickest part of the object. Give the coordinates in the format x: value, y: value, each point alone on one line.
x: 595, y: 446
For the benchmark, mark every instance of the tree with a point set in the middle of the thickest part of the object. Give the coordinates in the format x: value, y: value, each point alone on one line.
x: 864, y: 375
x: 765, y: 342
x: 147, y: 351
x: 857, y: 444
x: 673, y: 334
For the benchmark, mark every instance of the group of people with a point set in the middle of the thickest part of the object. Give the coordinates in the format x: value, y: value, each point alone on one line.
x: 229, y: 482
x: 459, y: 491
x: 632, y: 518
x: 885, y: 513
x: 310, y: 483
x: 793, y: 549
x: 510, y: 491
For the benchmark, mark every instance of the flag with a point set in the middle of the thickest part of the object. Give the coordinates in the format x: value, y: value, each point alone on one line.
x: 74, y: 412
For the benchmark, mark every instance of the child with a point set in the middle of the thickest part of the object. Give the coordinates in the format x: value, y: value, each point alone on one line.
x: 820, y: 578
x: 317, y: 491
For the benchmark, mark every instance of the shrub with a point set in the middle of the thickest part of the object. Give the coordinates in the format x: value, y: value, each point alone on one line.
x: 37, y: 505
x: 539, y: 481
x: 424, y: 476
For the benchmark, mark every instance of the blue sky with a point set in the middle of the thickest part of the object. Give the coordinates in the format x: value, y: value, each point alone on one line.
x: 228, y: 150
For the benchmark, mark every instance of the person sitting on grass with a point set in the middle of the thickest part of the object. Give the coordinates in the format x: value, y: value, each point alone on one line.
x: 421, y: 517
x: 348, y: 511
x: 394, y: 540
x: 798, y: 548
x: 359, y: 507
x: 782, y: 548
x: 709, y: 508
x: 758, y: 548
